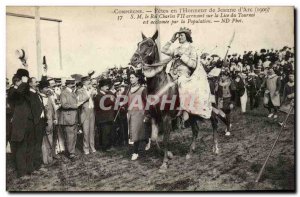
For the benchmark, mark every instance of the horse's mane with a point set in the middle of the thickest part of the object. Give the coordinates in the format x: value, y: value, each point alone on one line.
x: 157, y: 58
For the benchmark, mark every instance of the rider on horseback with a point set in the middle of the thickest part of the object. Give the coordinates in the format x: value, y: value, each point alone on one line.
x: 192, y: 79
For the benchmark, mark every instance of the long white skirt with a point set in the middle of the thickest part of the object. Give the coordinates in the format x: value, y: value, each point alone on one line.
x: 244, y: 99
x: 194, y: 93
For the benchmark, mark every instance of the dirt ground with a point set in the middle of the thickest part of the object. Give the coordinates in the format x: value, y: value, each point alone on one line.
x: 235, y: 168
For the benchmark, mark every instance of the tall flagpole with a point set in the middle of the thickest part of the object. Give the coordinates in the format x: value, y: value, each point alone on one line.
x: 38, y: 42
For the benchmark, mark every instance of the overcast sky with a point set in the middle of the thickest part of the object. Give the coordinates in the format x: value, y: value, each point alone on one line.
x: 93, y: 39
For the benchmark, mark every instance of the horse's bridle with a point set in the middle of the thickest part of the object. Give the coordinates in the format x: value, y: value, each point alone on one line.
x: 137, y: 52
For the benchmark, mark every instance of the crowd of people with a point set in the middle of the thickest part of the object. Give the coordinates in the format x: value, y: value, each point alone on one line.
x: 268, y: 74
x: 44, y: 117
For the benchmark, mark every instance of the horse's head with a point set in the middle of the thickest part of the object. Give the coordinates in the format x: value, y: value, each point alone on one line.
x: 146, y: 54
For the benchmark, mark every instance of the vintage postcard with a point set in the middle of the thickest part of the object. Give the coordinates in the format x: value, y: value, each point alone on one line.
x: 150, y: 98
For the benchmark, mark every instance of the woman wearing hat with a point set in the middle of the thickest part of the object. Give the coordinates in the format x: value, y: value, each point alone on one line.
x: 185, y: 55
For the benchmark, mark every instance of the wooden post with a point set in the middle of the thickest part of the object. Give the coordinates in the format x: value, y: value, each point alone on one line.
x: 38, y: 42
x: 59, y: 47
x: 32, y: 17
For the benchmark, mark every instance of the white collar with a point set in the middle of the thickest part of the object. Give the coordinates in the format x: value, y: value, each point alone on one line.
x: 43, y: 95
x: 272, y: 76
x: 185, y: 45
x: 69, y: 89
x: 32, y: 90
x: 102, y: 92
x: 135, y: 88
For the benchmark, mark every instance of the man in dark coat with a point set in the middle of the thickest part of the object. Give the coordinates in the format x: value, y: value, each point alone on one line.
x: 22, y: 133
x: 104, y: 113
x: 10, y: 90
x: 39, y: 119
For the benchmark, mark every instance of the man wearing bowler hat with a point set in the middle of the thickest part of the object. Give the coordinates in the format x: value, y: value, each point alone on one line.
x: 104, y: 117
x: 22, y: 133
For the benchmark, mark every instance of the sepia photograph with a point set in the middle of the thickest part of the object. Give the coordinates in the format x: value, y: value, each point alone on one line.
x: 150, y: 98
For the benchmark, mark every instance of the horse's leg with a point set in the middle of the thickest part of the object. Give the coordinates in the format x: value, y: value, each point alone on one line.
x: 167, y: 129
x: 195, y: 130
x: 214, y: 124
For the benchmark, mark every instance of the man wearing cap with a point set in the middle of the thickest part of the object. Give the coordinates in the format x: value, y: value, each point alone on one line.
x: 54, y: 97
x: 22, y: 133
x: 68, y: 117
x: 87, y: 115
x: 267, y: 63
x: 234, y: 58
x: 58, y: 140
